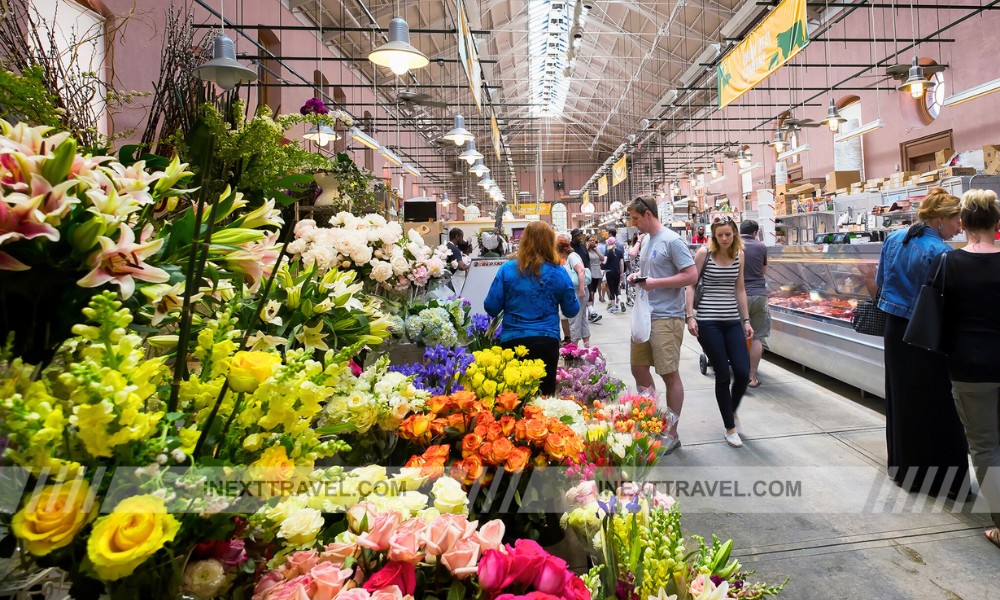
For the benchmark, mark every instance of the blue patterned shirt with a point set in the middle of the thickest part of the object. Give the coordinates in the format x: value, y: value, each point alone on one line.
x: 531, y: 304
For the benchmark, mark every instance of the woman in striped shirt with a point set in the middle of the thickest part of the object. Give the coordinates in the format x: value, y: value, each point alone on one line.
x: 720, y: 320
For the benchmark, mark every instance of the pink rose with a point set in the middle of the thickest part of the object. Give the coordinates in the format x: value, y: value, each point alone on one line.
x: 582, y: 494
x: 490, y: 535
x: 404, y: 546
x: 628, y: 490
x: 377, y: 537
x: 269, y: 581
x: 294, y: 589
x: 299, y: 563
x: 575, y: 589
x: 337, y: 553
x: 328, y: 579
x: 360, y: 516
x: 661, y: 500
x: 354, y: 594
x: 526, y: 556
x: 462, y: 559
x: 390, y: 593
x: 442, y: 533
x: 400, y: 574
x: 552, y: 575
x: 492, y: 570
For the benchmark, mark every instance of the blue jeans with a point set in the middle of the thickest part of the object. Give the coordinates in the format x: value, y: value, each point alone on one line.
x: 725, y: 344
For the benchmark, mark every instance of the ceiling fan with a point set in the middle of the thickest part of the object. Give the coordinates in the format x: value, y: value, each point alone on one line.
x: 791, y: 123
x: 901, y: 71
x: 410, y: 97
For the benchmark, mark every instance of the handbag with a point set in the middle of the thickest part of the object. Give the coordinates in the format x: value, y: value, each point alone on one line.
x: 926, y: 327
x: 699, y: 286
x: 868, y: 318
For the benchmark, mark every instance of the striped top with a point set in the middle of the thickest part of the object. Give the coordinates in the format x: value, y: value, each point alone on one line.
x: 718, y: 301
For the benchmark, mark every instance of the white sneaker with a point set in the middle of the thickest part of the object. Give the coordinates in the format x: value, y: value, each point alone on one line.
x: 733, y: 439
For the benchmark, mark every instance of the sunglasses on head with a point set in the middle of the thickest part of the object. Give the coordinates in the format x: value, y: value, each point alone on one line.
x: 645, y: 205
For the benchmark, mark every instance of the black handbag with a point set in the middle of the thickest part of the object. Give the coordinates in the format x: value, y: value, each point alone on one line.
x: 699, y: 286
x: 926, y: 327
x: 868, y: 318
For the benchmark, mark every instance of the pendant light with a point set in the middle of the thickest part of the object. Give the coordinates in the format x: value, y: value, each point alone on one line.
x: 479, y: 169
x: 224, y: 70
x: 485, y: 182
x: 833, y: 118
x: 398, y: 54
x: 321, y: 134
x: 471, y: 155
x: 459, y: 134
x: 916, y: 83
x: 778, y: 143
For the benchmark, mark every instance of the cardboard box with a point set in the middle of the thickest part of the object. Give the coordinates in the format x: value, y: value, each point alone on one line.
x: 943, y: 156
x: 804, y: 188
x: 841, y: 179
x: 949, y: 172
x: 991, y: 159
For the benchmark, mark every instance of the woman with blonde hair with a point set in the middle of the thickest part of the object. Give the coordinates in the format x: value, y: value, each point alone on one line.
x: 529, y: 292
x: 926, y: 446
x: 720, y: 319
x: 970, y: 284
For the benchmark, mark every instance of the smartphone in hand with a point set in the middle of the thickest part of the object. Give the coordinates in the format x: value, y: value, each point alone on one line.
x: 639, y: 280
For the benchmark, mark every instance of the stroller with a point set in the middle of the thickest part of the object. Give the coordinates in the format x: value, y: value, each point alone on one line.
x: 704, y: 364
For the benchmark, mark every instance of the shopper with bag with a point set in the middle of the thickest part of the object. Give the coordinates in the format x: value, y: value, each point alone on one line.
x: 970, y: 286
x: 718, y: 315
x: 614, y: 264
x: 927, y: 451
x: 530, y: 292
x: 665, y: 268
x: 579, y: 324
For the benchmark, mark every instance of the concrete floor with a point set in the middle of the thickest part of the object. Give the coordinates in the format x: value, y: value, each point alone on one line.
x: 850, y: 533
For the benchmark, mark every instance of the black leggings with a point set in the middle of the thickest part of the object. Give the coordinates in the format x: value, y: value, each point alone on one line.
x: 545, y: 349
x: 614, y: 282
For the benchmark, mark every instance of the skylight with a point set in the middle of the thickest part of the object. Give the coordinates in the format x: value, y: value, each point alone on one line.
x: 549, y: 23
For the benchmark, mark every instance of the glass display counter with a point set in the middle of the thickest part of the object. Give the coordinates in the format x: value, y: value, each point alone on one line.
x: 813, y: 291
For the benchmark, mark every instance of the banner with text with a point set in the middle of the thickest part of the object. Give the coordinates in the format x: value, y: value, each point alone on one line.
x: 602, y: 186
x: 619, y: 171
x: 771, y: 44
x: 534, y: 208
x: 469, y: 56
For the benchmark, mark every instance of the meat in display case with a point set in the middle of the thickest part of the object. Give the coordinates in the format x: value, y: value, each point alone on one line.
x: 812, y: 293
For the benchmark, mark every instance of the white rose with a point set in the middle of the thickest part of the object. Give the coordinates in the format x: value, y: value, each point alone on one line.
x: 410, y: 478
x: 399, y: 264
x: 413, y: 502
x: 435, y: 266
x: 304, y: 226
x: 204, y: 578
x: 370, y: 474
x: 449, y: 497
x: 361, y: 255
x: 301, y: 526
x: 381, y: 271
x: 429, y: 514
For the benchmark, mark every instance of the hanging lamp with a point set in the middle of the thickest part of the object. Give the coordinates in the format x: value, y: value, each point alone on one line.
x: 471, y: 155
x: 485, y: 182
x: 479, y: 169
x: 833, y: 118
x: 459, y: 134
x: 398, y: 54
x: 916, y: 83
x: 778, y: 143
x: 321, y: 134
x: 223, y: 69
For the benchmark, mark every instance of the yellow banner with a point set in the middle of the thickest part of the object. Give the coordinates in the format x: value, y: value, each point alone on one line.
x: 771, y: 44
x: 585, y: 197
x: 533, y: 208
x: 497, y: 139
x: 602, y: 186
x: 619, y: 171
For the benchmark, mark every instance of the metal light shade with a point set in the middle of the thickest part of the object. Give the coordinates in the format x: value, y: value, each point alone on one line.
x: 470, y: 155
x: 398, y: 54
x: 479, y: 169
x: 411, y: 170
x: 485, y: 182
x: 363, y: 138
x: 833, y: 118
x: 321, y: 134
x: 916, y: 83
x: 778, y: 143
x: 224, y: 70
x: 459, y: 134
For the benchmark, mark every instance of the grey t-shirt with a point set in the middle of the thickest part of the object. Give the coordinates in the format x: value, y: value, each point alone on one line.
x: 755, y: 257
x: 665, y: 254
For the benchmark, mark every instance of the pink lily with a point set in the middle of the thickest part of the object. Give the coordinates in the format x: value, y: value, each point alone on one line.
x: 21, y: 218
x: 255, y: 259
x: 119, y: 262
x: 9, y: 263
x: 55, y: 202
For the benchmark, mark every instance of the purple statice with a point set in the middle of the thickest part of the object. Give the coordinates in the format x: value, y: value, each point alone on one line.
x: 587, y: 382
x: 440, y: 369
x: 314, y: 106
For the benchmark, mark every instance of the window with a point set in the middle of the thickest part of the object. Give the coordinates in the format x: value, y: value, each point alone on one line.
x: 269, y: 71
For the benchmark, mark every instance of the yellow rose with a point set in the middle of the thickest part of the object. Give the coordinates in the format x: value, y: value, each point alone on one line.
x: 51, y: 519
x: 121, y: 541
x: 249, y: 369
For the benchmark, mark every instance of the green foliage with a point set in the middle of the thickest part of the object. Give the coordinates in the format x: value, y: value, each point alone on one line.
x: 24, y: 98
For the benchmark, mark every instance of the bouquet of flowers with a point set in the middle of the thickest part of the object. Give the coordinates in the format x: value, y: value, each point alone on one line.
x: 440, y: 370
x: 624, y: 434
x: 377, y: 249
x: 585, y: 376
x: 497, y: 370
x: 432, y: 322
x: 636, y: 534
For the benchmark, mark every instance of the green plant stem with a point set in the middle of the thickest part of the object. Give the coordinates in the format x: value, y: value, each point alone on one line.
x: 236, y: 407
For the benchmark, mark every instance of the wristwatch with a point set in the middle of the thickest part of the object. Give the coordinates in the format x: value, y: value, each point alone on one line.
x: 747, y: 320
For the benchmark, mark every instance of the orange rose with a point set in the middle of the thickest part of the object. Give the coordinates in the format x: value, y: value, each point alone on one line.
x: 518, y: 459
x: 494, y: 432
x: 456, y: 421
x: 555, y: 446
x: 441, y: 451
x: 437, y: 403
x: 540, y: 461
x: 480, y: 430
x: 520, y: 431
x: 507, y: 401
x: 470, y: 444
x: 437, y: 426
x: 469, y: 470
x: 535, y: 430
x: 499, y: 451
x: 463, y: 399
x: 507, y: 423
x: 484, y: 417
x: 414, y: 427
x: 532, y: 411
x: 433, y: 468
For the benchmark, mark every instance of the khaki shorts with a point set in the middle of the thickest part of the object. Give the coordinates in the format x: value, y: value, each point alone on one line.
x: 663, y: 350
x: 760, y: 317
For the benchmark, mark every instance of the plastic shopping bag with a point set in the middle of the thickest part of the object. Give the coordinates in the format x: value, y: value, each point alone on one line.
x: 641, y: 318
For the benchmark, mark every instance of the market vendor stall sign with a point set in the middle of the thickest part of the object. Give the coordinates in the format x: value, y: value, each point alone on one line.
x: 771, y: 44
x: 619, y: 171
x: 602, y: 186
x: 534, y: 208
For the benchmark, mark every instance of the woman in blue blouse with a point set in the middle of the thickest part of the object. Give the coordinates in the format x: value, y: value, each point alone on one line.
x: 925, y: 440
x: 530, y: 291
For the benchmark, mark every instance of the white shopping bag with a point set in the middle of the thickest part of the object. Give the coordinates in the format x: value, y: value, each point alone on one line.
x: 641, y: 317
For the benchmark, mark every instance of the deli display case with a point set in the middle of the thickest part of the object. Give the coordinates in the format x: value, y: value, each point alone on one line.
x: 812, y: 293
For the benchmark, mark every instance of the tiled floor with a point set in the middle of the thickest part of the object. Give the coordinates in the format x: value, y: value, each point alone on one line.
x: 850, y: 533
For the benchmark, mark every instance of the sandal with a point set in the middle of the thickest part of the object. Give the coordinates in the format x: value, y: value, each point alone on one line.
x: 993, y: 535
x: 754, y: 383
